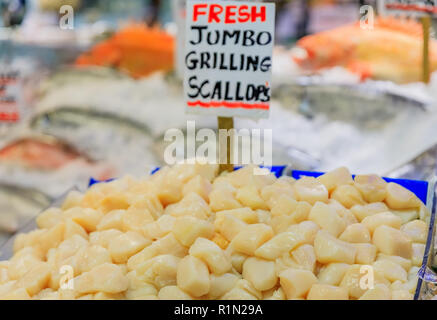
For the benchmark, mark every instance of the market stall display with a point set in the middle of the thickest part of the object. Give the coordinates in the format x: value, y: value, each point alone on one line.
x: 186, y: 233
x: 115, y: 110
x: 334, y: 111
x: 96, y: 101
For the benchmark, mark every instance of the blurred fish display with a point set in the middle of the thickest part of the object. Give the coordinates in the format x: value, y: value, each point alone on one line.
x: 102, y: 136
x: 29, y: 159
x: 68, y: 75
x: 392, y: 50
x: 38, y: 154
x: 137, y: 50
x: 62, y: 149
x: 366, y: 106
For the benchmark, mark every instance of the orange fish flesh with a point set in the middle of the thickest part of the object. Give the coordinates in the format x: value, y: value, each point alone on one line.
x: 137, y: 50
x: 392, y: 50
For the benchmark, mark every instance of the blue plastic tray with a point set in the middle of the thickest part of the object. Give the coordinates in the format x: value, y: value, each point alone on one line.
x: 420, y: 188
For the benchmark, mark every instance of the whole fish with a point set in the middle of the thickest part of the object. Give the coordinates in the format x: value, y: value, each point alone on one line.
x: 392, y: 50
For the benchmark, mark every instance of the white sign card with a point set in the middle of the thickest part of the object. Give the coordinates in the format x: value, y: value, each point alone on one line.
x: 228, y: 58
x: 410, y: 7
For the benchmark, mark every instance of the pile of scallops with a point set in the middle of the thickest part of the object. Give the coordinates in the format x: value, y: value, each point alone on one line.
x: 186, y: 232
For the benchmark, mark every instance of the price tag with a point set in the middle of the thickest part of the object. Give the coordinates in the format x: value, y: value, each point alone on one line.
x: 228, y: 58
x: 412, y: 7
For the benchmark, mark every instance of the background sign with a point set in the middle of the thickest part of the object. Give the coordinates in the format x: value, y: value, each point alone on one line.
x: 9, y: 93
x: 228, y: 58
x: 412, y: 7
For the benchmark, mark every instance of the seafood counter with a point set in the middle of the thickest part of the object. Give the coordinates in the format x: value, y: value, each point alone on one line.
x: 344, y: 97
x: 95, y: 121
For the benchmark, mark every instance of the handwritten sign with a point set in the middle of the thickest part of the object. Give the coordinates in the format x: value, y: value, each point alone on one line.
x: 412, y: 7
x: 228, y: 58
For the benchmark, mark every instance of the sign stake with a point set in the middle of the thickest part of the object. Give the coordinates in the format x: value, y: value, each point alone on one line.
x: 426, y: 25
x: 226, y: 123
